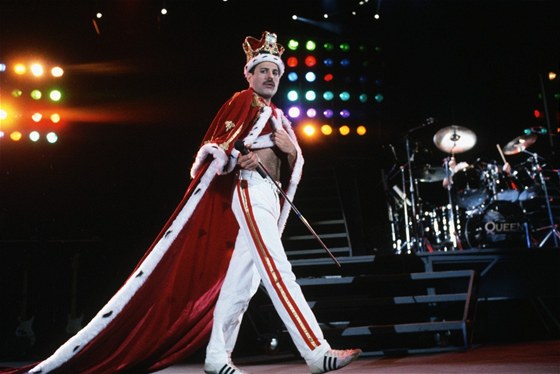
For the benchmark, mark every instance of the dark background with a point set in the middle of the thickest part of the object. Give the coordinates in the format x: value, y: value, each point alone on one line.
x: 141, y: 93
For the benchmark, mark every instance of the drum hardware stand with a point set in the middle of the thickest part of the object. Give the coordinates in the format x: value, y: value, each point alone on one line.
x: 450, y: 207
x: 554, y: 233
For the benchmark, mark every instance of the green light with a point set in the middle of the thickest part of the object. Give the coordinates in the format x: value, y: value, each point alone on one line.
x: 345, y: 47
x: 293, y: 44
x: 36, y: 94
x: 310, y: 45
x: 379, y: 98
x: 328, y: 46
x: 363, y: 98
x: 17, y: 92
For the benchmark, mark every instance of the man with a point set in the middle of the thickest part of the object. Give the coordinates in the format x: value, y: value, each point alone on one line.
x: 258, y: 253
x: 211, y: 248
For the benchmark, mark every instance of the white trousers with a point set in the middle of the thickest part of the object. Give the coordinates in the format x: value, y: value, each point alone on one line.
x: 259, y: 256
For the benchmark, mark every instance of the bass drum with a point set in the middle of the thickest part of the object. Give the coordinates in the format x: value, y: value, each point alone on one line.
x: 500, y: 225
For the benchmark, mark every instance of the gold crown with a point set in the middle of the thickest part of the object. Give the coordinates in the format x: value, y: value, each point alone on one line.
x: 267, y: 44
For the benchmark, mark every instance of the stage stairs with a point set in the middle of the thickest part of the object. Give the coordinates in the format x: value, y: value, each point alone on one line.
x: 383, y: 313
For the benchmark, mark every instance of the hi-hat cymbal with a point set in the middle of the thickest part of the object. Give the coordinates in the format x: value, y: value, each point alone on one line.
x: 519, y: 144
x: 454, y: 139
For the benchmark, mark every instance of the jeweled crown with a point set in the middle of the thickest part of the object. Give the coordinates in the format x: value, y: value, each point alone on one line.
x: 267, y: 44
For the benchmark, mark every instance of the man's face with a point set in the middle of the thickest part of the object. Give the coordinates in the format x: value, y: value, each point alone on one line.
x: 265, y: 79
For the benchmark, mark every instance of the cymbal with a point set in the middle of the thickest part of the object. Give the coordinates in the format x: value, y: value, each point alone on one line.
x: 430, y: 174
x: 454, y: 139
x: 519, y: 144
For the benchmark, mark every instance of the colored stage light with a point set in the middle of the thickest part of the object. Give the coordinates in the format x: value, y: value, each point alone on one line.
x: 328, y: 62
x: 34, y: 136
x: 20, y: 69
x: 345, y: 113
x: 52, y: 137
x: 310, y: 45
x: 292, y: 95
x: 292, y: 76
x: 345, y: 62
x: 344, y: 47
x: 310, y: 61
x: 57, y: 72
x: 36, y: 117
x: 326, y: 130
x: 363, y: 98
x: 344, y: 130
x: 55, y: 95
x: 3, y: 114
x: 292, y: 62
x: 310, y: 95
x: 328, y: 77
x: 16, y: 92
x: 37, y: 70
x: 55, y: 118
x: 361, y: 130
x: 16, y: 136
x: 293, y: 44
x: 328, y: 95
x: 311, y: 113
x: 309, y: 130
x: 344, y: 96
x: 36, y: 94
x: 379, y: 98
x: 328, y: 113
x: 294, y: 112
x: 328, y: 46
x: 310, y: 76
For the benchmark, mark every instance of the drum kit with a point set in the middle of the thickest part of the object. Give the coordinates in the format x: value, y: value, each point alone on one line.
x: 486, y: 205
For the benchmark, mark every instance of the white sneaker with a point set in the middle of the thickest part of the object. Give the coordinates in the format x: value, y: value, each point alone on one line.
x: 334, y: 360
x: 222, y: 368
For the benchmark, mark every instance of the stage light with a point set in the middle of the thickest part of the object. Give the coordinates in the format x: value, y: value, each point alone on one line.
x: 3, y: 114
x: 310, y: 61
x: 292, y: 76
x: 344, y: 96
x: 311, y: 113
x: 55, y: 95
x: 345, y: 113
x: 328, y: 113
x: 294, y: 112
x: 344, y: 130
x: 310, y: 45
x: 16, y: 136
x: 551, y: 75
x: 57, y: 72
x: 293, y: 44
x: 20, y: 69
x: 326, y: 130
x: 537, y: 113
x: 310, y: 95
x: 36, y: 117
x: 363, y: 98
x: 36, y: 94
x: 52, y: 137
x: 309, y: 130
x: 344, y: 47
x: 328, y: 46
x: 16, y: 92
x: 292, y: 95
x: 328, y: 62
x: 328, y: 95
x: 163, y: 11
x: 2, y: 68
x: 292, y: 62
x: 37, y: 70
x: 379, y: 98
x: 310, y: 76
x: 345, y: 62
x: 361, y: 130
x: 34, y: 136
x: 55, y: 118
x: 99, y: 15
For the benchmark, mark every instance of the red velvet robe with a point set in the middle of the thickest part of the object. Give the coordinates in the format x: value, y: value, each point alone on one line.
x: 163, y: 312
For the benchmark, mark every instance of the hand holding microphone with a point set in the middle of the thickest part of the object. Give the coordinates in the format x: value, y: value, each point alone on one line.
x: 250, y: 161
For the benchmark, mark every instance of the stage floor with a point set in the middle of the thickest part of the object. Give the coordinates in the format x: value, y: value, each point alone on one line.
x: 519, y: 358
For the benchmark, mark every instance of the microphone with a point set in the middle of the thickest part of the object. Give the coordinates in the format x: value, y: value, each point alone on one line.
x: 535, y: 130
x: 240, y: 146
x: 429, y: 121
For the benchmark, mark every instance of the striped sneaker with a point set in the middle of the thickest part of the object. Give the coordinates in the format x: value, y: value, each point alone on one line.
x: 223, y: 368
x: 334, y: 360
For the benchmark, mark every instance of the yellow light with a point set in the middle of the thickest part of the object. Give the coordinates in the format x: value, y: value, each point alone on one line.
x: 55, y: 118
x: 344, y: 130
x: 552, y: 75
x: 37, y: 70
x: 361, y: 130
x: 309, y: 130
x: 20, y: 69
x: 36, y: 94
x: 55, y: 95
x: 16, y: 136
x: 326, y: 129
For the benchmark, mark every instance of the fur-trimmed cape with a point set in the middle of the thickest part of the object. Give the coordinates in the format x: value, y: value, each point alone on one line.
x: 163, y: 312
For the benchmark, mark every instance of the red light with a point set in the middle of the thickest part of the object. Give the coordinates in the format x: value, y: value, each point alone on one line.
x: 537, y: 113
x: 328, y: 77
x: 310, y: 61
x: 292, y: 62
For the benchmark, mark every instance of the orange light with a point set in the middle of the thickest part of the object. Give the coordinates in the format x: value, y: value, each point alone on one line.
x: 20, y: 69
x: 344, y: 130
x: 37, y: 70
x: 55, y: 118
x: 16, y: 136
x: 309, y: 130
x: 361, y: 130
x: 326, y: 129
